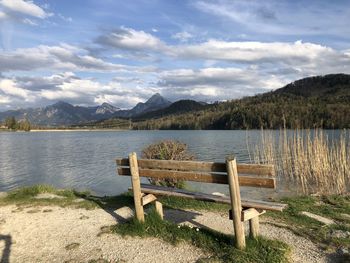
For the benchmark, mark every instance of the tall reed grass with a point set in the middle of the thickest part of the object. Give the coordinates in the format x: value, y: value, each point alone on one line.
x: 308, y: 161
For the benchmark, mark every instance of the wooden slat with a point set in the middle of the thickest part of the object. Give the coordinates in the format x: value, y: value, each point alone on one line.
x: 250, y: 213
x: 122, y: 162
x: 254, y: 227
x: 256, y: 169
x: 201, y: 177
x: 159, y: 209
x: 148, y: 199
x: 160, y: 190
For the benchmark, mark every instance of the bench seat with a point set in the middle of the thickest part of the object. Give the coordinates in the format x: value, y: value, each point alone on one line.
x: 246, y: 203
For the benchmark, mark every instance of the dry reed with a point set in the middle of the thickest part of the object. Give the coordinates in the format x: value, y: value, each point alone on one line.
x: 308, y: 161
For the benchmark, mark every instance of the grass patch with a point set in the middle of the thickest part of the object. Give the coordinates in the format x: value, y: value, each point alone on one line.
x: 26, y: 197
x: 333, y: 207
x: 219, y: 245
x: 184, y: 203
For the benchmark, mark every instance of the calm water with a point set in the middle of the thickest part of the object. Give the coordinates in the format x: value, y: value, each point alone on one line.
x: 86, y: 160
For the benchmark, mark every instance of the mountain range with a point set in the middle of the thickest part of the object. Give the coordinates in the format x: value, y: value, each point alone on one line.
x: 65, y: 114
x: 320, y: 101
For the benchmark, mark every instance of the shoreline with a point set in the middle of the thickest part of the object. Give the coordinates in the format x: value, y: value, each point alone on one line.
x: 76, y: 130
x: 94, y: 215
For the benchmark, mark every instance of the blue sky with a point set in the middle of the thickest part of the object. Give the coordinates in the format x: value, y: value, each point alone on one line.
x: 87, y: 52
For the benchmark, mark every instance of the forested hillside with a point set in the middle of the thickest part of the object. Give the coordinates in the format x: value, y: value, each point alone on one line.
x: 322, y: 101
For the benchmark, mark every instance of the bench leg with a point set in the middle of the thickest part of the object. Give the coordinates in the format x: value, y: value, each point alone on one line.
x: 136, y: 187
x: 254, y: 227
x: 159, y: 209
x: 236, y: 205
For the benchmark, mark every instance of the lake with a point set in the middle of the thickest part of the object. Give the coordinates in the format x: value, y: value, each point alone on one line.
x: 86, y: 160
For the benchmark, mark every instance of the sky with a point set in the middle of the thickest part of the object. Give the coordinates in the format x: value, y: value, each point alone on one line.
x: 87, y: 52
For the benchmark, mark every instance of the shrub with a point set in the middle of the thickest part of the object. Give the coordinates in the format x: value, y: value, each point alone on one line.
x: 167, y: 150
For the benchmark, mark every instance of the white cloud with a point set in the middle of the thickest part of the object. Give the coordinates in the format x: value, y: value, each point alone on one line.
x: 65, y: 18
x: 59, y: 94
x: 210, y: 84
x: 24, y: 7
x: 231, y: 69
x: 9, y: 88
x: 188, y: 77
x: 182, y: 36
x: 62, y: 57
x: 4, y: 99
x: 201, y: 91
x: 252, y: 51
x: 3, y: 15
x: 29, y: 22
x: 303, y: 57
x: 32, y: 91
x: 89, y: 92
x: 128, y: 38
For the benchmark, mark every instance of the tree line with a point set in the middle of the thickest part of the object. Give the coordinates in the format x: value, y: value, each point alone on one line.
x: 12, y: 124
x: 268, y: 111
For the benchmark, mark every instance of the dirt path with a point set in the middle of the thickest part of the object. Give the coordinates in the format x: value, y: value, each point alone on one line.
x: 53, y: 234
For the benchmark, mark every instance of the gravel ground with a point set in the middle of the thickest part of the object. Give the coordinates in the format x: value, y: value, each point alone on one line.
x: 303, y: 250
x: 54, y: 234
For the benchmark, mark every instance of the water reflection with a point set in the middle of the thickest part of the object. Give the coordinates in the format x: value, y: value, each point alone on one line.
x: 85, y: 160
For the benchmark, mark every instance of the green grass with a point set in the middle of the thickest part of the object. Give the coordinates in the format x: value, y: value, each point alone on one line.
x: 219, y: 245
x: 331, y: 207
x: 184, y: 203
x: 328, y: 206
x: 25, y: 196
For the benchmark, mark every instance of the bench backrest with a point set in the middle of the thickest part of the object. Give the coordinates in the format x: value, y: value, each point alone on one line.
x: 253, y: 175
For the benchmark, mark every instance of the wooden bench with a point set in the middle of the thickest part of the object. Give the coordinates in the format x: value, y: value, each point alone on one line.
x: 252, y: 175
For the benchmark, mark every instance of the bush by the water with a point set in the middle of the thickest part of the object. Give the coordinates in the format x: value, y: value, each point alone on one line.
x: 167, y: 150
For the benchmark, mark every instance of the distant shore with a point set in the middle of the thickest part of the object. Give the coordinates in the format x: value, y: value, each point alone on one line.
x: 65, y: 130
x: 75, y: 130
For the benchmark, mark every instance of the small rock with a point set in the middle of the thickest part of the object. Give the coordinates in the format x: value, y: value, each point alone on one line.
x: 219, y: 194
x: 125, y: 212
x: 344, y: 252
x: 340, y: 234
x: 321, y: 219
